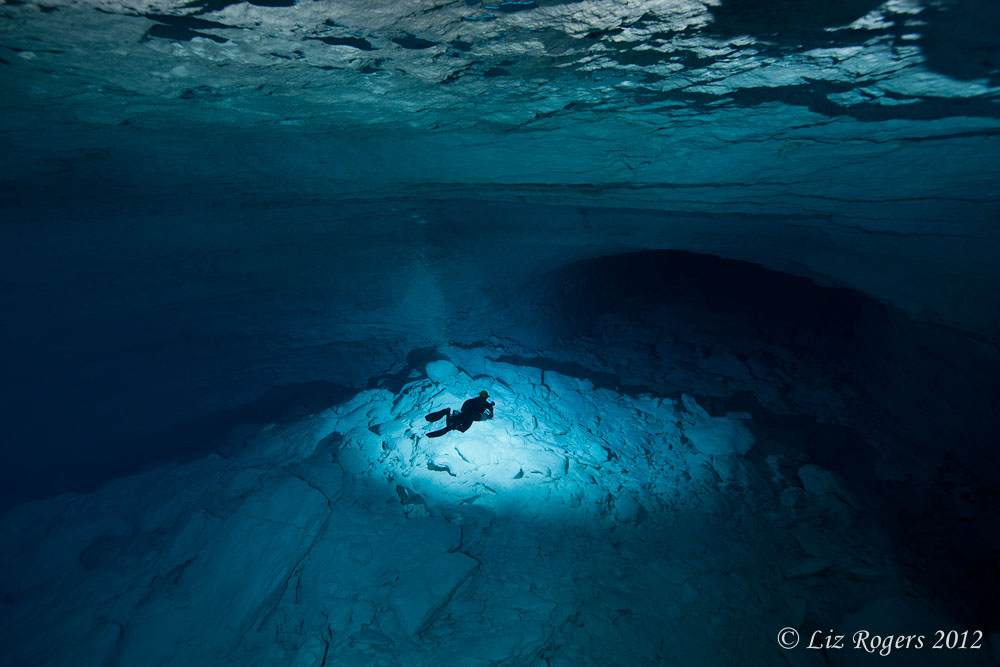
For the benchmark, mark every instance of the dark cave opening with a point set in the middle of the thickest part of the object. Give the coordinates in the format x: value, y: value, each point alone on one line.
x: 914, y: 416
x: 727, y: 270
x: 831, y: 384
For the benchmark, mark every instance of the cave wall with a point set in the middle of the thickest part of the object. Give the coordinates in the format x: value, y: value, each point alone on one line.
x: 859, y: 141
x: 145, y: 333
x: 203, y: 203
x: 869, y: 129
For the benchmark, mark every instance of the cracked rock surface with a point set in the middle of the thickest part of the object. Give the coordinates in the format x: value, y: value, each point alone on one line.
x: 580, y: 526
x: 678, y: 466
x: 245, y: 245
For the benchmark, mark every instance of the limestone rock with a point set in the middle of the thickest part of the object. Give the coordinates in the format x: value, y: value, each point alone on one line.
x: 421, y: 593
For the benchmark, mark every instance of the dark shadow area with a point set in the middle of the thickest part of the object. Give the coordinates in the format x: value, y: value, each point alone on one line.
x: 420, y: 357
x: 181, y: 34
x: 940, y: 542
x: 187, y: 22
x: 773, y: 304
x: 906, y: 412
x: 210, y: 6
x: 416, y: 360
x: 413, y: 43
x: 957, y: 38
x: 788, y: 22
x: 512, y: 7
x: 90, y: 459
x: 281, y: 405
x: 184, y: 28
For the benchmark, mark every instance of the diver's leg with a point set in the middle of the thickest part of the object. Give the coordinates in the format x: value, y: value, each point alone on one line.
x: 434, y: 416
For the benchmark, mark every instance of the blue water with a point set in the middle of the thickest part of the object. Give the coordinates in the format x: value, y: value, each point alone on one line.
x: 728, y: 270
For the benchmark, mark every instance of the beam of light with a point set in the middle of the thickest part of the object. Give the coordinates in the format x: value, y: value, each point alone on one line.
x: 558, y: 446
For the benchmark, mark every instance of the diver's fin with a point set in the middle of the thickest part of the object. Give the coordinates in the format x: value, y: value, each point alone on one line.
x: 434, y: 416
x: 439, y: 432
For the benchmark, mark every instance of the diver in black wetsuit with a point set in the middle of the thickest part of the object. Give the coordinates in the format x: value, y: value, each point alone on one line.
x: 473, y: 410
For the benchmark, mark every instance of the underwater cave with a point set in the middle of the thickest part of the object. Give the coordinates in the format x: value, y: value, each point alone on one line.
x: 726, y: 274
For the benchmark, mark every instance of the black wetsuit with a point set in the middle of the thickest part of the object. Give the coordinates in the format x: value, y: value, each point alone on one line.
x: 478, y: 406
x: 473, y: 410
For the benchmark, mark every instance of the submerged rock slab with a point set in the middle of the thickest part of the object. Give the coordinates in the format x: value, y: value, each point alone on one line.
x: 720, y: 435
x: 231, y: 583
x: 613, y: 544
x: 421, y: 593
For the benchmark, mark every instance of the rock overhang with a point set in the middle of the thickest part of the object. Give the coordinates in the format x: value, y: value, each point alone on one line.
x: 871, y: 125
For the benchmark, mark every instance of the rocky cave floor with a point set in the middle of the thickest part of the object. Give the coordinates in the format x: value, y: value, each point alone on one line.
x: 728, y: 487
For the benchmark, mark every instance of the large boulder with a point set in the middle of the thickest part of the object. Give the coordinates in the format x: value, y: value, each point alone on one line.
x: 720, y: 435
x: 441, y: 371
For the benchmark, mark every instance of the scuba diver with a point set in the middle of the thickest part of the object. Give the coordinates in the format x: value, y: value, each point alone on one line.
x: 473, y: 410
